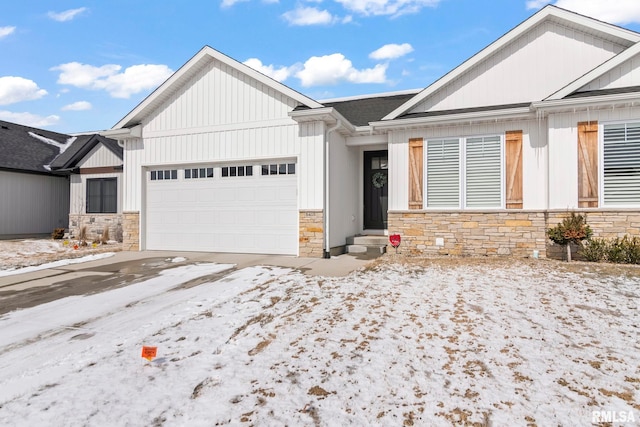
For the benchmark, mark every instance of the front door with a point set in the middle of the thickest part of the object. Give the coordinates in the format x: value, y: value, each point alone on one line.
x: 375, y: 190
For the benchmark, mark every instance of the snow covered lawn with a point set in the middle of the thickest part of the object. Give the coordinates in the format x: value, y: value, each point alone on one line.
x: 465, y: 342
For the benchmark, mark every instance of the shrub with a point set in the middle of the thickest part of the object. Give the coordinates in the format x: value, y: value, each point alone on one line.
x: 104, y: 239
x: 58, y: 233
x: 573, y: 229
x: 595, y: 250
x: 625, y: 250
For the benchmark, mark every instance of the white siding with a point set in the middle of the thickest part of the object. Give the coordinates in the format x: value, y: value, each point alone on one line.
x: 343, y: 191
x: 32, y: 204
x: 100, y: 156
x: 624, y: 75
x: 530, y: 68
x: 534, y: 157
x: 563, y: 151
x: 218, y: 95
x: 78, y: 192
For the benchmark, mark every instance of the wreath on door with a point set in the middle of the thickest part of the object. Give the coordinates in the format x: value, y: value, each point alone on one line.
x: 379, y: 179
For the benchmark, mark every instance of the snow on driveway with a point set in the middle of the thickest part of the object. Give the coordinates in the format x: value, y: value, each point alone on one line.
x: 468, y: 343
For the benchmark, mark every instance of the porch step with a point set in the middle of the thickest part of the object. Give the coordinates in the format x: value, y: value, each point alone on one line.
x: 370, y: 245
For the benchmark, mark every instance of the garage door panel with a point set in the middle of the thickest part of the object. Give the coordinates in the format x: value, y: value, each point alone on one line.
x: 256, y: 214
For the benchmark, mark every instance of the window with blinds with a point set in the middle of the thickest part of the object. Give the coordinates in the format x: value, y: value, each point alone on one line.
x: 483, y: 172
x: 621, y: 164
x: 443, y: 173
x: 465, y: 172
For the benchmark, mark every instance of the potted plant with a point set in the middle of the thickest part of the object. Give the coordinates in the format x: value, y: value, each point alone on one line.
x: 573, y: 229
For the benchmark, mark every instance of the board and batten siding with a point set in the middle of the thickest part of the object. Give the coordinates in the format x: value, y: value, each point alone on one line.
x: 563, y: 150
x: 525, y: 70
x: 534, y: 157
x: 100, y: 156
x: 218, y: 95
x: 78, y: 191
x: 624, y: 75
x: 32, y: 204
x: 344, y: 183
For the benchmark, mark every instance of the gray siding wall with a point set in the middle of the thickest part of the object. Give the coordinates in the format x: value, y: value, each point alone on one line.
x: 32, y: 204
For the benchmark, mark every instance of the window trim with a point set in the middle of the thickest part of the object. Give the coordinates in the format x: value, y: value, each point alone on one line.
x: 102, y: 181
x: 601, y: 181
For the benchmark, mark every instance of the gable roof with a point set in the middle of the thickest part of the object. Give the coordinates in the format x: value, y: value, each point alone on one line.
x: 188, y: 70
x: 81, y: 147
x: 24, y: 148
x: 549, y: 12
x: 596, y: 72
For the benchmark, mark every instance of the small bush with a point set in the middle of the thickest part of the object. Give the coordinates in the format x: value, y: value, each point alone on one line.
x: 58, y: 233
x: 595, y: 250
x: 82, y: 235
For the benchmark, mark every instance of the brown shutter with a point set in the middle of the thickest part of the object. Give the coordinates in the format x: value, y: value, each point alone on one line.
x: 588, y: 164
x: 415, y: 173
x: 513, y: 155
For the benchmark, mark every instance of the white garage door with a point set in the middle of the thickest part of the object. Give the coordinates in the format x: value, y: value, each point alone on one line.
x: 248, y: 208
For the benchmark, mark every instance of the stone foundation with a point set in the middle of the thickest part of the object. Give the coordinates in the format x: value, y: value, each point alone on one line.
x: 131, y: 231
x: 515, y: 233
x: 311, y: 225
x: 95, y: 224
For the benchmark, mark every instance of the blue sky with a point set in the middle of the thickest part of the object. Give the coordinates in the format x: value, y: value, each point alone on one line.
x: 82, y: 65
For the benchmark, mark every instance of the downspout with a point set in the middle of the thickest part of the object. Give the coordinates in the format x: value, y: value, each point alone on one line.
x: 325, y: 216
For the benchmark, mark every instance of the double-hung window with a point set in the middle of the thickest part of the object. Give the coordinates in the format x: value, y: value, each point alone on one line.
x: 621, y: 164
x: 464, y: 172
x: 102, y: 195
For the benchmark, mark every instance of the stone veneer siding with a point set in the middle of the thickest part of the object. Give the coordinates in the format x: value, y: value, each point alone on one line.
x: 131, y: 231
x: 517, y: 233
x: 311, y: 223
x: 95, y: 224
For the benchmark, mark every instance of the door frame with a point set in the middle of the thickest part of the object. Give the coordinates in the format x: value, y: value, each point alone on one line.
x: 370, y: 152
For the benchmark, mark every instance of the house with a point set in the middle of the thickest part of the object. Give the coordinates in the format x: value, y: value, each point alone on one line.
x: 544, y: 120
x: 94, y: 166
x: 33, y: 199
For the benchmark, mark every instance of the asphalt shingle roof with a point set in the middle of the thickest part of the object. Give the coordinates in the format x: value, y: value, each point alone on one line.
x: 360, y: 112
x: 21, y: 151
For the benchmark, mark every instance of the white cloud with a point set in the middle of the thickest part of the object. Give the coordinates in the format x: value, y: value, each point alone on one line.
x: 391, y: 51
x: 278, y: 74
x: 229, y: 3
x: 536, y: 4
x: 78, y: 106
x: 615, y: 12
x: 28, y: 119
x: 5, y: 31
x: 335, y: 68
x: 17, y: 89
x: 134, y: 79
x: 387, y: 7
x: 308, y: 16
x: 67, y: 15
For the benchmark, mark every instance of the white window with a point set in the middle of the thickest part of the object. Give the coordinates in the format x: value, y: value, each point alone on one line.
x: 621, y: 164
x: 464, y: 172
x: 160, y: 175
x: 483, y: 172
x: 196, y: 173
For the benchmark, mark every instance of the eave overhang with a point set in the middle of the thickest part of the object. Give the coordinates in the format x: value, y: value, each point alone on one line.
x: 522, y: 112
x: 586, y: 103
x: 329, y: 115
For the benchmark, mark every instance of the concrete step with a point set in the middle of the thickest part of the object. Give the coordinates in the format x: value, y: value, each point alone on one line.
x: 373, y: 250
x: 368, y: 240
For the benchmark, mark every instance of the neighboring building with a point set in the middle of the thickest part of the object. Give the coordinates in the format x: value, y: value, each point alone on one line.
x: 544, y: 120
x: 94, y: 165
x: 33, y: 200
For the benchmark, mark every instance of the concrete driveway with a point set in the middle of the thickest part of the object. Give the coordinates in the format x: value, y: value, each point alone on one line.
x: 124, y: 268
